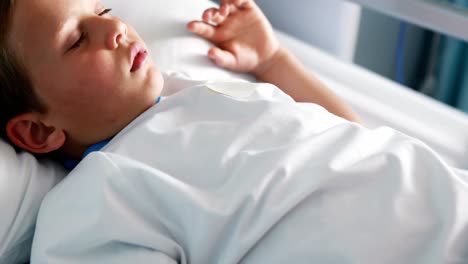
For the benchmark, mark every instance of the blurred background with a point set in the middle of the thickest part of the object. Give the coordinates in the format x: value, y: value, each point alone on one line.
x: 420, y: 59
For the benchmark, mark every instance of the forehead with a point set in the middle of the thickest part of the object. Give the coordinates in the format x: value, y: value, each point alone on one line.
x: 36, y: 24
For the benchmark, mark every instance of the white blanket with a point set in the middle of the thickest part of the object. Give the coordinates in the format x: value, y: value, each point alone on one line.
x: 219, y: 174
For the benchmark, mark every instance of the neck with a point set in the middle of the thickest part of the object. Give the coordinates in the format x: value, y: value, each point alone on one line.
x: 74, y: 150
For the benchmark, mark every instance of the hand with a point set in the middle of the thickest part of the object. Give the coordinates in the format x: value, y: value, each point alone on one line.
x: 244, y: 38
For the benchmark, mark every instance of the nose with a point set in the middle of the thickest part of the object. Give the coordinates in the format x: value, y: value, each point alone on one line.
x: 117, y: 30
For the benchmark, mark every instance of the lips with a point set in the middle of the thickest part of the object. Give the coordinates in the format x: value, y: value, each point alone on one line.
x: 138, y: 56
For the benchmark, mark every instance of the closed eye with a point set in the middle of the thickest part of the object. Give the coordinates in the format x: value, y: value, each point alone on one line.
x: 78, y: 43
x: 105, y: 11
x: 83, y: 35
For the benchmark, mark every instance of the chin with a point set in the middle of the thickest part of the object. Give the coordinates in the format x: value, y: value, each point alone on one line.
x: 158, y: 83
x: 155, y: 86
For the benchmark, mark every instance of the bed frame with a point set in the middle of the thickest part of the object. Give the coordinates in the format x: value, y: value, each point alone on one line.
x: 434, y: 15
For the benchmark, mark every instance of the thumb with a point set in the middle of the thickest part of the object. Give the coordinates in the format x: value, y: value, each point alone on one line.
x: 223, y: 58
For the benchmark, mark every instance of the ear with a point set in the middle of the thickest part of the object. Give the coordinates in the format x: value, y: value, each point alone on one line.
x: 28, y: 132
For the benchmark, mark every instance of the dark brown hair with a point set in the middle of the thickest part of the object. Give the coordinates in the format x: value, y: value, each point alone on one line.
x: 17, y: 95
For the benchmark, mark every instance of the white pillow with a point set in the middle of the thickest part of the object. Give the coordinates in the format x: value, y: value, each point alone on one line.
x: 23, y: 184
x: 162, y: 24
x: 24, y: 181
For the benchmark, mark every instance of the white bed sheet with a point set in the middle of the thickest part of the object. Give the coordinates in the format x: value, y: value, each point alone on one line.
x: 266, y: 180
x: 381, y: 102
x: 378, y: 100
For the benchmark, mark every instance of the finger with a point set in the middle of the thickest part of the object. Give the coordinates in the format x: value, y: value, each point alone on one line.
x: 209, y: 14
x: 222, y: 58
x: 224, y: 9
x: 216, y: 16
x: 244, y: 4
x: 202, y: 29
x: 232, y: 6
x: 228, y: 7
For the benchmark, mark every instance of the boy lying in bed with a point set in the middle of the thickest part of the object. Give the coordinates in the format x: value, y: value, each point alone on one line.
x: 84, y: 78
x: 219, y: 172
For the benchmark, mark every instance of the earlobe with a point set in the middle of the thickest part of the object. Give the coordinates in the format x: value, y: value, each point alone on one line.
x: 28, y: 132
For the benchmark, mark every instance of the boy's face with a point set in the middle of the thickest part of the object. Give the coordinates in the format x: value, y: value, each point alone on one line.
x: 80, y: 60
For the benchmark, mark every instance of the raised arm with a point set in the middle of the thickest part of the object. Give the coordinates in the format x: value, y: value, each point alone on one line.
x: 245, y: 42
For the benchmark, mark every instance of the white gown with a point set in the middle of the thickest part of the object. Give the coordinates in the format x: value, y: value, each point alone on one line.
x: 240, y: 173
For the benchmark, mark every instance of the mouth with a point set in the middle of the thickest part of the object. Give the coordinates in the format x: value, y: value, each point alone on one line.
x: 138, y: 56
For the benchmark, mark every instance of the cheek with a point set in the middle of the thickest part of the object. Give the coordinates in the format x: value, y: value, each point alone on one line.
x: 95, y: 79
x: 84, y: 89
x: 80, y: 81
x: 100, y: 71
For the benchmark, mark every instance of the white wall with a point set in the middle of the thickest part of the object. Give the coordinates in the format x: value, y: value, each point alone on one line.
x: 331, y: 25
x: 341, y: 28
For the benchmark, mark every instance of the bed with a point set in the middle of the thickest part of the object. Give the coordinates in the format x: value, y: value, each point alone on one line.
x: 24, y: 180
x: 383, y: 102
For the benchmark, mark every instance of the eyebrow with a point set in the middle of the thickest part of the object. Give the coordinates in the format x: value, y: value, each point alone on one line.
x: 66, y: 25
x: 63, y: 29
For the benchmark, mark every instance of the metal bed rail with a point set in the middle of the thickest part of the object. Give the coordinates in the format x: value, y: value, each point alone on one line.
x: 435, y: 15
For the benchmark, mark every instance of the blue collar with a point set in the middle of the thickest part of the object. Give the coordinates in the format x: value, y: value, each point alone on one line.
x: 71, y: 163
x: 96, y: 147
